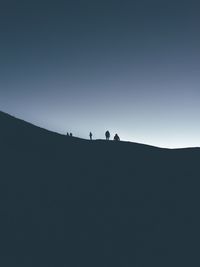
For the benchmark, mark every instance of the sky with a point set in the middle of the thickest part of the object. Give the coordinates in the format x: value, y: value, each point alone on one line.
x: 130, y: 67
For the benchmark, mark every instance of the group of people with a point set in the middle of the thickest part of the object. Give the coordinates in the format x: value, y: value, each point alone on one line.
x: 107, y: 135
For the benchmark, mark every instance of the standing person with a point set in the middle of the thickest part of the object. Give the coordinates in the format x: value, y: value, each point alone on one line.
x: 107, y: 134
x: 90, y: 136
x: 70, y: 134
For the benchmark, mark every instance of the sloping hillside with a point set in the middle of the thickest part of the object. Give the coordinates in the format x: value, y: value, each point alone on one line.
x: 72, y: 202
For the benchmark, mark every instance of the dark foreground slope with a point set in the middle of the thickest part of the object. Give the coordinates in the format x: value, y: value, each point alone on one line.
x: 71, y: 202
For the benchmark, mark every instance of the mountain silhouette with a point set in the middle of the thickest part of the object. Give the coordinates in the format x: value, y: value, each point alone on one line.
x: 73, y: 202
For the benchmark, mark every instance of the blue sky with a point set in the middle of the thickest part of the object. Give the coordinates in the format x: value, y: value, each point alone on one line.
x: 128, y: 66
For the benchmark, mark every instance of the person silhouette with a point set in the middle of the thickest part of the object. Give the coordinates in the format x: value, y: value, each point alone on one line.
x: 116, y: 137
x: 90, y: 136
x: 107, y: 134
x: 67, y: 134
x: 70, y: 134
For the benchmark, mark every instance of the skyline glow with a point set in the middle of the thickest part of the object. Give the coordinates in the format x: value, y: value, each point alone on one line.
x: 131, y: 68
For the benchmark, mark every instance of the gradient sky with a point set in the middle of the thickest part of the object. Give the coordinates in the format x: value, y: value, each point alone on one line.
x: 132, y: 67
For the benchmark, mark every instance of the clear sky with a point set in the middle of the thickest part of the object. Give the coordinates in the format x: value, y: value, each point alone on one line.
x: 132, y: 67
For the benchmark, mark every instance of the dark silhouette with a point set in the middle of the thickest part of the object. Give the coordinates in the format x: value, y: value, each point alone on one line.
x: 70, y: 134
x: 90, y: 136
x: 115, y: 205
x: 107, y: 134
x: 67, y: 134
x: 116, y: 137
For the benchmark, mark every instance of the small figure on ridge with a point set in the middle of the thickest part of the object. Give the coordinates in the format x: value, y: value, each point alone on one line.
x: 107, y: 134
x: 116, y: 137
x: 90, y: 136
